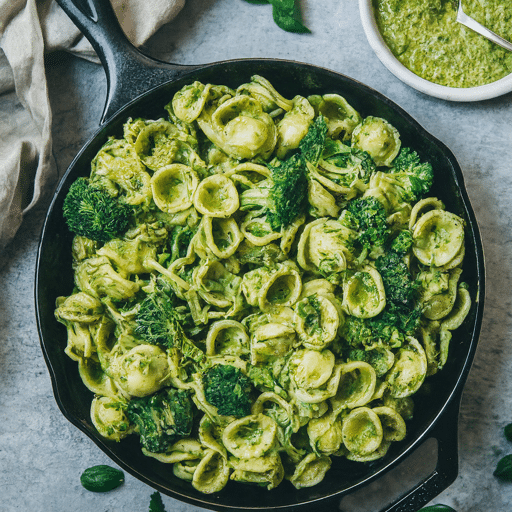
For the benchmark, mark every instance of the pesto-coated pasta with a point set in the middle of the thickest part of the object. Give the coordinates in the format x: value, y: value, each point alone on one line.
x: 284, y: 287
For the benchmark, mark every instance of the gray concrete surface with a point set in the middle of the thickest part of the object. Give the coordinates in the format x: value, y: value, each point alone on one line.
x: 42, y: 455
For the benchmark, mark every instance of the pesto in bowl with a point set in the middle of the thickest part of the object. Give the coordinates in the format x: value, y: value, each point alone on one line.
x: 425, y: 37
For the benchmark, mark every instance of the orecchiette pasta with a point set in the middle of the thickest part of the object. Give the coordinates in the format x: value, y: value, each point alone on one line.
x: 341, y: 117
x: 250, y: 262
x: 362, y: 431
x: 377, y: 137
x: 173, y: 187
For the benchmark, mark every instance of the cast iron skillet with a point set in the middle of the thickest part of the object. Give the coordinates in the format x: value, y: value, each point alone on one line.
x: 139, y: 86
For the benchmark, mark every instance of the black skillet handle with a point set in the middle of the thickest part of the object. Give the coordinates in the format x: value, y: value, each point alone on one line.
x: 130, y: 73
x: 446, y: 471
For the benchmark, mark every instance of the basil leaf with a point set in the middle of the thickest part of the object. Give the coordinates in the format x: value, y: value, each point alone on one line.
x: 503, y: 470
x: 508, y: 432
x: 101, y: 478
x: 287, y: 16
x: 437, y: 508
x: 286, y: 22
x: 285, y: 5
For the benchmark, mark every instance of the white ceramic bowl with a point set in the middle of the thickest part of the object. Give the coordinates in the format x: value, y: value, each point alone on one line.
x: 482, y: 92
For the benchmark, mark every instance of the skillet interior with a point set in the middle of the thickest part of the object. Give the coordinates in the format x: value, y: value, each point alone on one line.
x: 54, y: 278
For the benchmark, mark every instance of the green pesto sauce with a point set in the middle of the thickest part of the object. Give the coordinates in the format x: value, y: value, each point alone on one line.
x: 425, y: 37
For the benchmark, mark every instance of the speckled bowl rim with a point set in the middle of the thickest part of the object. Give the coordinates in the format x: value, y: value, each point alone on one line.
x: 376, y: 41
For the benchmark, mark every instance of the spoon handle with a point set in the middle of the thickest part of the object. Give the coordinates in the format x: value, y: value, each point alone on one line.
x: 469, y: 22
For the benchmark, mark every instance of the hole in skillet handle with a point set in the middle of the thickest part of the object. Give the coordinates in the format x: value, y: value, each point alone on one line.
x: 130, y: 72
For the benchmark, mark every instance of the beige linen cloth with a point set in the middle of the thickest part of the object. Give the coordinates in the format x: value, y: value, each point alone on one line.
x: 28, y: 30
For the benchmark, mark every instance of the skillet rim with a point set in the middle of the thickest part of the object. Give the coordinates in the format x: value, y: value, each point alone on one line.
x: 451, y: 400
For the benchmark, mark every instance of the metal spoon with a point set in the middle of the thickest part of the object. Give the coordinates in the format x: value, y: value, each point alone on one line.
x: 465, y: 20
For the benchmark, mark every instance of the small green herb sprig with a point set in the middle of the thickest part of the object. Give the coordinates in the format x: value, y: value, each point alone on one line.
x: 156, y: 504
x: 286, y: 14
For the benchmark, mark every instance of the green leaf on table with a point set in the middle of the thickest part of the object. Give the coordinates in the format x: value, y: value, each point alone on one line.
x: 503, y: 470
x: 508, y: 432
x: 101, y: 478
x: 156, y: 504
x: 286, y: 14
x: 437, y: 508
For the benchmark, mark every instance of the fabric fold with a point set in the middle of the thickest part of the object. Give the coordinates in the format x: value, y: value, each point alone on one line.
x: 28, y: 30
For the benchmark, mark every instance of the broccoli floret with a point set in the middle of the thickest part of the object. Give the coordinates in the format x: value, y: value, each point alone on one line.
x: 159, y: 323
x: 356, y: 158
x: 410, y: 176
x: 263, y: 380
x: 370, y: 217
x: 289, y: 192
x: 284, y: 197
x: 93, y: 213
x: 402, y: 243
x: 355, y: 163
x: 377, y: 358
x: 389, y: 328
x: 162, y: 418
x: 401, y: 289
x: 406, y: 321
x: 401, y: 316
x: 311, y: 146
x: 227, y: 388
